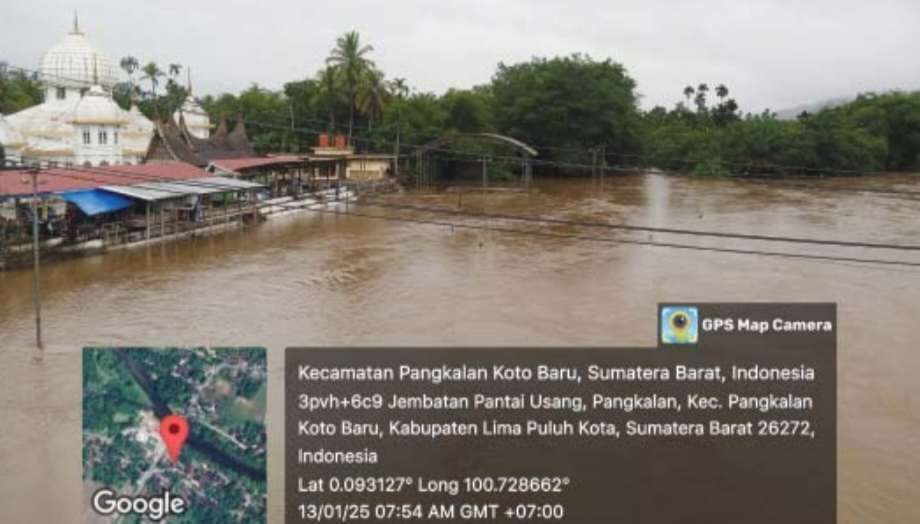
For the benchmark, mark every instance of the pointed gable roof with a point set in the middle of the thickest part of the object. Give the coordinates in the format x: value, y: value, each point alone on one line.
x: 239, y: 140
x: 173, y: 140
x: 167, y: 137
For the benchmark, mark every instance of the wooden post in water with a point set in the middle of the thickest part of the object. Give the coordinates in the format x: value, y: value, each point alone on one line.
x: 36, y: 284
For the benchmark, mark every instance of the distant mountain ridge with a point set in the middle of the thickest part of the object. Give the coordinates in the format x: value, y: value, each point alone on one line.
x: 791, y: 113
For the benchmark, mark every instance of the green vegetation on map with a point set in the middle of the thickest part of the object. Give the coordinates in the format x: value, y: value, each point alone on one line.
x: 221, y: 392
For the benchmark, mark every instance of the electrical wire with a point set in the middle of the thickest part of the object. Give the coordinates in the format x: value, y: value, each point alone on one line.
x: 650, y: 243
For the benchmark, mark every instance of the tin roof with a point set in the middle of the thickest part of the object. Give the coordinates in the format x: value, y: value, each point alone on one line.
x: 240, y: 164
x: 165, y: 190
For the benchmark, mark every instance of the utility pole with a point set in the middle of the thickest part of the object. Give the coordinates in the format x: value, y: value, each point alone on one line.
x: 36, y: 285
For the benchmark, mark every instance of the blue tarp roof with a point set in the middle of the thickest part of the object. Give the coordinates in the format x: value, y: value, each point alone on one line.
x: 96, y: 201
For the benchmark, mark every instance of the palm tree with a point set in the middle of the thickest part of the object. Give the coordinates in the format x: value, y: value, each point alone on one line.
x: 721, y: 91
x: 349, y: 58
x: 175, y: 69
x: 372, y: 94
x: 688, y: 92
x: 328, y: 86
x: 399, y: 88
x: 152, y: 73
x: 130, y: 65
x: 700, y: 99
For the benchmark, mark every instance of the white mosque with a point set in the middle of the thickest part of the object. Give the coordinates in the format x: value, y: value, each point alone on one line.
x: 79, y: 124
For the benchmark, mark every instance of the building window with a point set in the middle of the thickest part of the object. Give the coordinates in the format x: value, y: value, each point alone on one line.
x: 103, y: 138
x: 83, y: 91
x: 87, y: 138
x: 115, y: 138
x: 61, y: 93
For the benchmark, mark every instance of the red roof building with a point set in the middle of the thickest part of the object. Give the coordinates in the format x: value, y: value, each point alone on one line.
x: 18, y: 182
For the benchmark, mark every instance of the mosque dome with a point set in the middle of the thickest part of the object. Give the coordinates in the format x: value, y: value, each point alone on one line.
x: 75, y: 63
x: 98, y: 108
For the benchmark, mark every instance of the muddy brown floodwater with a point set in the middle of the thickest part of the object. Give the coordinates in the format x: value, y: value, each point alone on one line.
x: 317, y: 279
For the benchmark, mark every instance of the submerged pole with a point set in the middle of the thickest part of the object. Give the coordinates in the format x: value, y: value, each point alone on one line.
x: 36, y: 284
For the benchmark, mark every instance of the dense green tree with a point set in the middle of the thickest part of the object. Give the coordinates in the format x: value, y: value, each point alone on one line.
x: 468, y: 110
x: 894, y: 116
x: 566, y: 106
x: 718, y: 141
x: 421, y: 117
x: 18, y: 90
x: 372, y: 95
x: 571, y: 101
x: 329, y: 95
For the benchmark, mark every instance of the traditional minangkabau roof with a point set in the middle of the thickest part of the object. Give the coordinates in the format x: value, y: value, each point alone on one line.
x: 167, y: 137
x: 239, y: 140
x: 182, y: 146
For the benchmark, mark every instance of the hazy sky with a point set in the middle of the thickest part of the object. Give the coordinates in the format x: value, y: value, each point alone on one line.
x: 770, y: 53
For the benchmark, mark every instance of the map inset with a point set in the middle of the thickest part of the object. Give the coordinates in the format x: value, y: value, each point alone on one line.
x: 219, y: 474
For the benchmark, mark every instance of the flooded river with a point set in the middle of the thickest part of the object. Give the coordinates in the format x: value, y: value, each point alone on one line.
x: 327, y: 279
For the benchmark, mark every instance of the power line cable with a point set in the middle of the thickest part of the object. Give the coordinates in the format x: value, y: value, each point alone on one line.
x: 651, y: 243
x: 650, y: 229
x: 288, y: 128
x: 193, y: 183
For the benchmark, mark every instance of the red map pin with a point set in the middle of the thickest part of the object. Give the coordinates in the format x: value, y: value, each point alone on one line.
x: 174, y: 431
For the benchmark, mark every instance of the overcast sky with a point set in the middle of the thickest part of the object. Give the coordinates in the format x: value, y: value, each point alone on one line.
x: 770, y: 53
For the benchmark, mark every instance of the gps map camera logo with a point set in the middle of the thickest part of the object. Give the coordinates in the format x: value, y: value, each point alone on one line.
x: 679, y: 325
